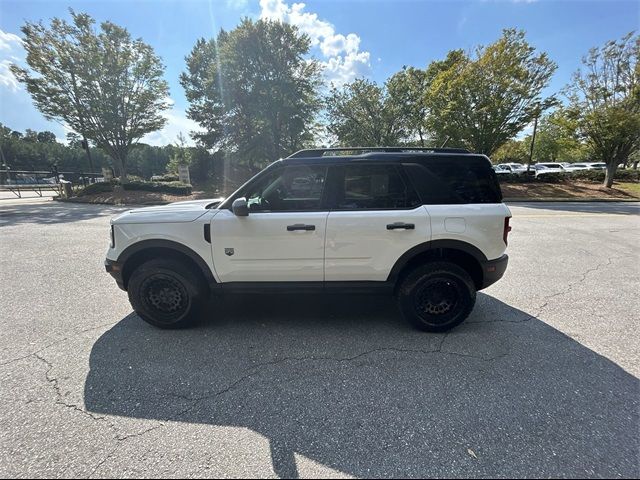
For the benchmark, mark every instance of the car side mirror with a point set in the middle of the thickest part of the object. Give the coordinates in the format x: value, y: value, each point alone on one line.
x: 240, y: 207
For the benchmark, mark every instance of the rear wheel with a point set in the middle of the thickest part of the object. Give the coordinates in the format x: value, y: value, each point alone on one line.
x: 437, y: 296
x: 166, y: 293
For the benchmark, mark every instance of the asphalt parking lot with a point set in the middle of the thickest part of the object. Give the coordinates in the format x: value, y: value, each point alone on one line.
x: 541, y: 381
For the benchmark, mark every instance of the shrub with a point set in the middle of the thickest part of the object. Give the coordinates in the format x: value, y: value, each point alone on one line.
x: 598, y: 175
x: 100, y: 187
x: 515, y: 178
x: 628, y: 175
x: 167, y: 177
x: 174, y: 188
x: 552, y: 177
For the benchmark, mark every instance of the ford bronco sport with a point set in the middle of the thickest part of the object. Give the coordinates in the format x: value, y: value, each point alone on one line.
x: 426, y: 225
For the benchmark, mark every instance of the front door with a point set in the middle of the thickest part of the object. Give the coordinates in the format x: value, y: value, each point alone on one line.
x: 282, y: 238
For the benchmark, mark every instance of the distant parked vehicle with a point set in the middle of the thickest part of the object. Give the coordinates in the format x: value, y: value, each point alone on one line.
x: 501, y: 170
x: 596, y: 166
x: 587, y: 166
x: 546, y: 168
x: 513, y: 167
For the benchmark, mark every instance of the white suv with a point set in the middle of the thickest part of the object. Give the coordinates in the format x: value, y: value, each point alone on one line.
x: 427, y: 225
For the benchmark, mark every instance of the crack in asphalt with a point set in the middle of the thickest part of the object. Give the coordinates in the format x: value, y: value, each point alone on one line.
x: 53, y: 344
x: 571, y: 286
x: 53, y: 381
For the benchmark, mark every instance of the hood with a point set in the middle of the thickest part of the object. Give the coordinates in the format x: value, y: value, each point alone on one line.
x: 177, y: 212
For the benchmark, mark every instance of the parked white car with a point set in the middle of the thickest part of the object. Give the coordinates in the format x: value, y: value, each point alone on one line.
x: 546, y: 168
x: 426, y: 226
x: 501, y: 170
x: 513, y: 167
x: 586, y: 166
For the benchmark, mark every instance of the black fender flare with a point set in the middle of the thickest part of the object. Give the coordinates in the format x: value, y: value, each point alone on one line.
x: 407, y: 256
x: 131, y: 250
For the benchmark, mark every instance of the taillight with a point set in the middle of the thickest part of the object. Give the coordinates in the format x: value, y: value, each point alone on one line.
x: 507, y: 229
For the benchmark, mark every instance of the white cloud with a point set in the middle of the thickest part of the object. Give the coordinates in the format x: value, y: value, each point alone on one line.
x: 343, y: 60
x: 11, y: 51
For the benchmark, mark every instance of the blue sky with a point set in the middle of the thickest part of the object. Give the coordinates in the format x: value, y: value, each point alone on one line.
x: 352, y: 38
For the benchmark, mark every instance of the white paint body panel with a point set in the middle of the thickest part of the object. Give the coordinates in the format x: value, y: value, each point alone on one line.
x: 265, y: 251
x: 483, y: 225
x: 359, y: 246
x: 183, y: 229
x: 345, y: 246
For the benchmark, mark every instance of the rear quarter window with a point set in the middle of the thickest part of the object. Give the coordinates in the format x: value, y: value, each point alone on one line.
x: 455, y: 181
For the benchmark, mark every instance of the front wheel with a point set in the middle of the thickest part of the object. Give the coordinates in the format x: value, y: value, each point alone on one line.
x: 437, y: 296
x: 166, y: 293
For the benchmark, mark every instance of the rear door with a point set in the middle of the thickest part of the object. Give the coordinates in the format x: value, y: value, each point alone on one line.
x: 375, y: 217
x: 282, y: 238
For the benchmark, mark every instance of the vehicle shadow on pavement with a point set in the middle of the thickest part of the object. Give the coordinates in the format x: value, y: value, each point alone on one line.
x: 344, y: 382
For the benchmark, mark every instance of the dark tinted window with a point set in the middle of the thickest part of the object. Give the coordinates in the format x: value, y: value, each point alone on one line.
x: 372, y: 187
x: 455, y: 181
x: 288, y: 189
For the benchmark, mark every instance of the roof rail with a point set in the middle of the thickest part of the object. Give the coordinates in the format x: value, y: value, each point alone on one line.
x: 319, y: 152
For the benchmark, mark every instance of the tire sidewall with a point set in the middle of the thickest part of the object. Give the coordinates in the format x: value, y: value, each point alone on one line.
x: 450, y: 272
x: 176, y: 272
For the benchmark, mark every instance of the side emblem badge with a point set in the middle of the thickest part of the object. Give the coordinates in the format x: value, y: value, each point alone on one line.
x: 228, y: 251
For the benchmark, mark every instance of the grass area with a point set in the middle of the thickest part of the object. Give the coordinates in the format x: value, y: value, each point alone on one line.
x: 630, y: 188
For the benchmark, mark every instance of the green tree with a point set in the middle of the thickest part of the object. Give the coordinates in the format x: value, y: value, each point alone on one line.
x: 103, y: 84
x: 604, y: 99
x: 407, y: 89
x: 363, y: 114
x: 557, y: 139
x: 511, y: 151
x: 253, y: 91
x: 482, y: 102
x: 181, y: 155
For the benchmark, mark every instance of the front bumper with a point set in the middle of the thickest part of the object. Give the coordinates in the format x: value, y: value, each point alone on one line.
x: 493, y: 270
x: 114, y: 269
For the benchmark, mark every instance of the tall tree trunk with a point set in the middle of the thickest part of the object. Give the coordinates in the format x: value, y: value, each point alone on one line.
x: 121, y: 167
x: 612, y: 166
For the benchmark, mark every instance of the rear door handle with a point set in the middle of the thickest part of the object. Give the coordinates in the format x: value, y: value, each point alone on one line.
x: 300, y: 226
x: 401, y: 225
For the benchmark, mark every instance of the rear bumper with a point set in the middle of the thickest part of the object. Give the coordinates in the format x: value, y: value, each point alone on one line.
x: 493, y: 270
x: 114, y: 269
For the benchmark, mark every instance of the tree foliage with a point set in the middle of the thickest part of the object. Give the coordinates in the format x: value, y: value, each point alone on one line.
x: 604, y: 100
x: 101, y: 83
x: 485, y: 100
x: 253, y: 91
x: 406, y: 91
x: 363, y: 114
x: 557, y: 139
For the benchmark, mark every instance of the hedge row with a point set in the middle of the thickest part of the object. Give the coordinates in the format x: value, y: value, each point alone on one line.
x: 174, y: 188
x: 583, y: 175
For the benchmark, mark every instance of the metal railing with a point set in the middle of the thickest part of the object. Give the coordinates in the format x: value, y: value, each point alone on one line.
x: 18, y: 181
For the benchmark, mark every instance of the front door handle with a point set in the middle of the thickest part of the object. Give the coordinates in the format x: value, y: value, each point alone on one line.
x: 401, y: 225
x: 300, y: 226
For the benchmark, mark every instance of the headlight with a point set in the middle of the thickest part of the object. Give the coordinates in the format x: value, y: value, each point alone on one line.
x: 112, y: 235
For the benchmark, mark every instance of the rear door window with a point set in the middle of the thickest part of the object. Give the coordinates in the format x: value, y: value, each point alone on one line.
x: 371, y: 187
